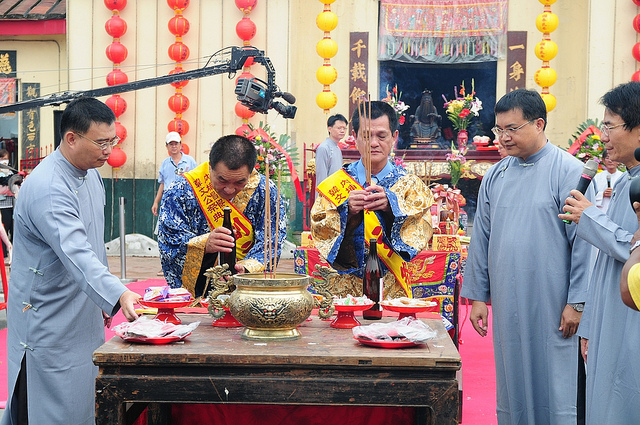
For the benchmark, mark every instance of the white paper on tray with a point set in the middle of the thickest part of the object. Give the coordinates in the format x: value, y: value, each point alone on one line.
x: 153, y: 328
x: 408, y: 328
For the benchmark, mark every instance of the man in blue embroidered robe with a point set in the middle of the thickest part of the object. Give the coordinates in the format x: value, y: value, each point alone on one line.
x: 189, y: 244
x: 401, y: 202
x: 609, y: 330
x: 531, y: 266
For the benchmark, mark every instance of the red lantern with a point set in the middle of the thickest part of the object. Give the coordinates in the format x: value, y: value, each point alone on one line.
x: 246, y: 29
x: 179, y: 25
x: 121, y: 132
x: 636, y: 23
x: 179, y: 52
x: 117, y: 158
x: 637, y: 2
x: 243, y: 112
x: 185, y: 148
x: 178, y: 103
x: 635, y: 76
x: 178, y: 84
x: 117, y: 104
x: 243, y: 130
x: 178, y: 4
x: 246, y: 75
x: 116, y: 26
x: 246, y: 5
x: 116, y: 52
x: 635, y: 51
x: 115, y: 4
x: 179, y: 125
x: 116, y: 77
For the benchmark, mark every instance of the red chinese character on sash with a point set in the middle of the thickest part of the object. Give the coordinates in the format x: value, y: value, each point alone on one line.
x: 217, y: 216
x: 241, y: 229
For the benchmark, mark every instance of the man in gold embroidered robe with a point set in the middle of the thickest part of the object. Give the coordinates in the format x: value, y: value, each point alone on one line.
x: 190, y: 233
x: 400, y: 203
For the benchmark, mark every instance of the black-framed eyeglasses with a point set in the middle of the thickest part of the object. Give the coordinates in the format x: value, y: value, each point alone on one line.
x: 102, y: 145
x: 499, y: 132
x: 605, y: 129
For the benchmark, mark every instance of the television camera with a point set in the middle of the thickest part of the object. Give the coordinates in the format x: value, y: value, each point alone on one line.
x: 254, y: 93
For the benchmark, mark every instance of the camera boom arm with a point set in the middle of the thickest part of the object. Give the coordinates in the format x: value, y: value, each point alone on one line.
x: 239, y: 57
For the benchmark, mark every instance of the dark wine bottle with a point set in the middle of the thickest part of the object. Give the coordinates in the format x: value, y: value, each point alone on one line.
x: 372, y: 283
x: 229, y: 257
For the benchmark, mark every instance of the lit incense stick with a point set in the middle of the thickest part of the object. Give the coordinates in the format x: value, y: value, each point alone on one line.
x: 275, y: 247
x: 267, y: 220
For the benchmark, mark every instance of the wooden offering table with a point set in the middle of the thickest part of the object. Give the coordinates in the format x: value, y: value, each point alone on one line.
x: 326, y: 366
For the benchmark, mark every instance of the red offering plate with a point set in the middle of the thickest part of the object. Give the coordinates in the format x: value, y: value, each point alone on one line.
x: 345, y: 318
x: 408, y: 311
x: 226, y: 321
x: 152, y: 340
x: 387, y: 344
x: 166, y: 309
x: 487, y: 148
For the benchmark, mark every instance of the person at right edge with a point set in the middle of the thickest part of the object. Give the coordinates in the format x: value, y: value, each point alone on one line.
x: 609, y: 330
x: 531, y: 267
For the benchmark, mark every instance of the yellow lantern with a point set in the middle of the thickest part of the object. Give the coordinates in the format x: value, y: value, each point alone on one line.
x: 545, y: 77
x: 549, y: 100
x: 326, y: 75
x: 327, y: 48
x: 546, y: 50
x: 327, y: 21
x: 547, y: 22
x: 547, y: 2
x: 327, y: 1
x: 326, y: 100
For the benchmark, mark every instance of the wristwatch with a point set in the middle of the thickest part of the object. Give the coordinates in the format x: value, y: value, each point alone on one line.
x: 579, y: 307
x: 634, y: 246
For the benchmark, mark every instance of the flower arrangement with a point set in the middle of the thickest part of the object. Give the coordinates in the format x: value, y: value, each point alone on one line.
x: 585, y: 143
x: 393, y: 99
x: 275, y: 152
x: 456, y: 162
x: 463, y: 108
x: 281, y: 155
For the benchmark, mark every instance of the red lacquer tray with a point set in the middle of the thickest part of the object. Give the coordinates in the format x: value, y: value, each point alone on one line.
x: 226, y: 321
x: 345, y: 318
x: 166, y: 309
x: 154, y: 340
x: 387, y: 344
x: 409, y: 311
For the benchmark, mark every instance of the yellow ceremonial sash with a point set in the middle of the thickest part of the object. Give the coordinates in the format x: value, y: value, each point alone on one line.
x: 212, y: 206
x: 336, y: 189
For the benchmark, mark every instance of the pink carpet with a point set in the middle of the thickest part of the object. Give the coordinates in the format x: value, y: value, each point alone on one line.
x: 478, y: 372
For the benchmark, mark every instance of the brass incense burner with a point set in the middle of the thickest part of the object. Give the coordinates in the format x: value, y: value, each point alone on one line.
x: 271, y: 307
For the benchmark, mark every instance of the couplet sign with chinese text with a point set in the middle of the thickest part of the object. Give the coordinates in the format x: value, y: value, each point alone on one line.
x: 358, y: 69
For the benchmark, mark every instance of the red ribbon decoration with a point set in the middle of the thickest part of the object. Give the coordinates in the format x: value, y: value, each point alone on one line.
x: 292, y: 169
x: 575, y: 147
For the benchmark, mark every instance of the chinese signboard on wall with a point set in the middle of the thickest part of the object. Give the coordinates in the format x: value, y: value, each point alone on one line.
x: 358, y: 69
x: 30, y: 123
x: 516, y: 60
x: 7, y: 76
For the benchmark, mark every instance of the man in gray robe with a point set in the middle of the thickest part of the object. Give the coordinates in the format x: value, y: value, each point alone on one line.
x: 531, y: 266
x: 61, y: 293
x: 328, y: 154
x: 610, y: 330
